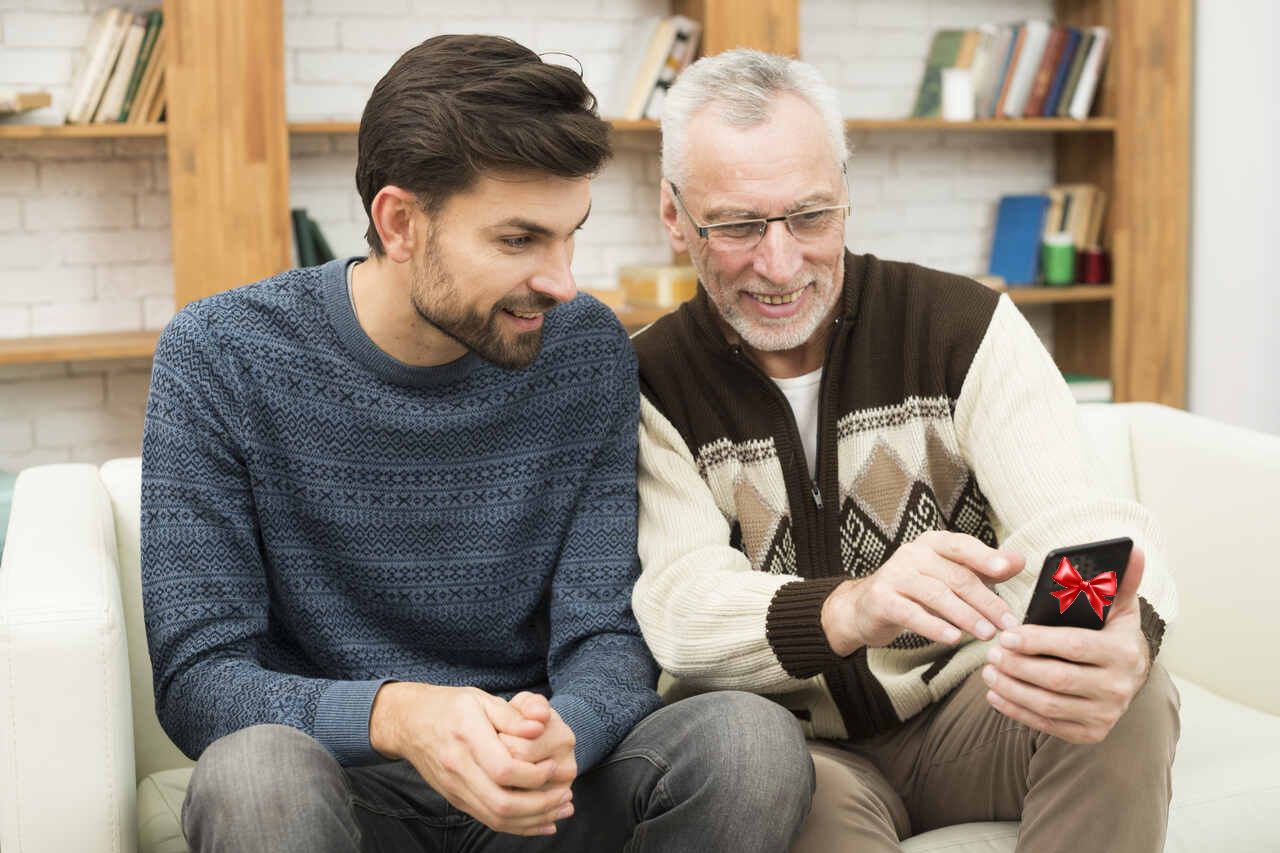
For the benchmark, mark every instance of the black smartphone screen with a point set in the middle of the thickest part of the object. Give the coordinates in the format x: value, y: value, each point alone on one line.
x: 1067, y: 578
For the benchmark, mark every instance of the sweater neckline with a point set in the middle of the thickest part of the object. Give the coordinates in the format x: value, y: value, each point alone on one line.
x: 333, y: 279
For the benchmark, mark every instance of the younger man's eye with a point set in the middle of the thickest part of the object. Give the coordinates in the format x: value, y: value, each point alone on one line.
x: 516, y: 242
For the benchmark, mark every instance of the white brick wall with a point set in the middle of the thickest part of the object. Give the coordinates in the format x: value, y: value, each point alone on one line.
x: 84, y: 223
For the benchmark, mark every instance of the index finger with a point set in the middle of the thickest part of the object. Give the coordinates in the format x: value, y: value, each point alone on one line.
x: 500, y: 767
x: 974, y: 554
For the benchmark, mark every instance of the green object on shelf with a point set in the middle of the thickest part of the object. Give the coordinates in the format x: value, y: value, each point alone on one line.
x: 1058, y: 259
x: 6, y: 499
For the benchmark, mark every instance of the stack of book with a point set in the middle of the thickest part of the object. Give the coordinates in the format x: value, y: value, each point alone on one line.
x: 12, y: 103
x: 1024, y: 221
x: 660, y: 50
x: 120, y: 74
x: 1031, y: 69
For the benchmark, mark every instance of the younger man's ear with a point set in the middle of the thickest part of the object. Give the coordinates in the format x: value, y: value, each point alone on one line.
x: 394, y: 215
x: 670, y: 218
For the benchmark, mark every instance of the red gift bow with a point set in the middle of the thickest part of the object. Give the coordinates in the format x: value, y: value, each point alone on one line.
x: 1102, y: 585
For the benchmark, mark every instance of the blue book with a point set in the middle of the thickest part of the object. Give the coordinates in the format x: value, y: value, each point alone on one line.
x: 1015, y: 249
x: 1060, y: 75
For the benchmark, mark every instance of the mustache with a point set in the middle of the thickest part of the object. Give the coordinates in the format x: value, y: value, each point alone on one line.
x: 527, y: 305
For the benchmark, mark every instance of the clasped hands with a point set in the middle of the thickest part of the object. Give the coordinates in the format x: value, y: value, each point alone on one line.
x: 1073, y: 683
x: 509, y: 765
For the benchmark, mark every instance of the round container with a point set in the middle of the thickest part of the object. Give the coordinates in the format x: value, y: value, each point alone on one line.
x: 1058, y: 259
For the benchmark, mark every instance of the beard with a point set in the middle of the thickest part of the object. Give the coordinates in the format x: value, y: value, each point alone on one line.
x: 438, y: 299
x: 776, y: 334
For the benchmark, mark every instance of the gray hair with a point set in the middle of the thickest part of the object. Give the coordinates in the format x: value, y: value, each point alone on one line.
x: 743, y: 84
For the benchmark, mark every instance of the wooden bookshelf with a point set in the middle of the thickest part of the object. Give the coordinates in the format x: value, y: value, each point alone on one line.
x: 78, y: 347
x: 80, y: 131
x: 227, y: 137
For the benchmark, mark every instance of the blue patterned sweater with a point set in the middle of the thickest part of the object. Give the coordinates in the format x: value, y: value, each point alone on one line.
x: 319, y: 518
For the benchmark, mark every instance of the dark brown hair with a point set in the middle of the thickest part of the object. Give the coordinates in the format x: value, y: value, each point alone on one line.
x: 456, y: 106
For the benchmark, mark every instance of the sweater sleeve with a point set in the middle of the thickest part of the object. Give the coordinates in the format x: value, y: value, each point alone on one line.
x: 1019, y: 430
x: 205, y: 587
x: 704, y: 611
x: 602, y: 675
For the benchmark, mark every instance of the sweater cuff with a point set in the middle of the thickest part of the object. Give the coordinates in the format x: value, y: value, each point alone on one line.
x: 342, y: 721
x: 793, y: 627
x: 1152, y: 626
x: 591, y: 739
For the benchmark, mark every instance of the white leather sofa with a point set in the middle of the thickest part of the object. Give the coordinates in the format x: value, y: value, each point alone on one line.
x: 85, y: 767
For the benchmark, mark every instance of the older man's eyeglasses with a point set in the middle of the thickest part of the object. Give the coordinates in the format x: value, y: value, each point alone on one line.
x: 810, y: 225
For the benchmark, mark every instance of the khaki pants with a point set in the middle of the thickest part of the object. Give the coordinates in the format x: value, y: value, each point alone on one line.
x: 961, y: 761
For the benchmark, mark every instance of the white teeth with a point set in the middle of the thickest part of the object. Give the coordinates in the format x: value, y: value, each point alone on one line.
x: 785, y: 299
x: 526, y: 316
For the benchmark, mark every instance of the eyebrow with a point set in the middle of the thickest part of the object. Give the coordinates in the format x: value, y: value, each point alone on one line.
x: 536, y: 227
x: 733, y: 214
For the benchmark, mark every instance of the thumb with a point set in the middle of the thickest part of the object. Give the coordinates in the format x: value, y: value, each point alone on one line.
x: 1127, y: 594
x: 506, y: 718
x: 534, y: 706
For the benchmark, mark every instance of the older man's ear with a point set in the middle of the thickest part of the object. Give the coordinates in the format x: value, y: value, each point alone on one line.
x: 670, y: 218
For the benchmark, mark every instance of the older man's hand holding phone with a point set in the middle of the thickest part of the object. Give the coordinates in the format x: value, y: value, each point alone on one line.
x: 1070, y: 671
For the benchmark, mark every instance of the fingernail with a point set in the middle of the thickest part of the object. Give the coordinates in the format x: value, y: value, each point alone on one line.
x: 999, y: 564
x: 1008, y: 621
x: 568, y: 795
x: 994, y: 654
x: 989, y: 674
x: 951, y: 635
x: 985, y: 629
x: 1010, y: 639
x: 564, y: 813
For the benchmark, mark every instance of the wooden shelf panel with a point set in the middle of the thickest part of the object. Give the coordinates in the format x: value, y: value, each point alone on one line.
x: 78, y: 347
x: 1071, y: 293
x: 1019, y: 125
x: 79, y: 131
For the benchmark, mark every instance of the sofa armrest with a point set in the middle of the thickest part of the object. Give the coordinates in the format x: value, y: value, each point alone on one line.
x: 1215, y: 489
x: 66, y: 729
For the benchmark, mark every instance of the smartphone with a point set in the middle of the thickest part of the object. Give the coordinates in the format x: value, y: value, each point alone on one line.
x: 1062, y: 596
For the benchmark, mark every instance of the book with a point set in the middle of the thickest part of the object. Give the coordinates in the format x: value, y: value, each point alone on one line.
x: 154, y: 18
x: 1093, y: 234
x: 1073, y: 74
x: 1036, y: 37
x: 660, y: 286
x: 1088, y: 389
x: 12, y: 102
x: 1018, y: 35
x: 303, y: 240
x: 968, y: 46
x: 683, y: 48
x: 1053, y: 222
x: 149, y: 89
x: 1015, y: 246
x: 106, y: 36
x: 942, y: 54
x: 323, y: 252
x: 648, y: 69
x: 987, y: 93
x: 1050, y: 107
x: 1045, y: 73
x: 984, y: 61
x: 1087, y: 87
x: 118, y: 83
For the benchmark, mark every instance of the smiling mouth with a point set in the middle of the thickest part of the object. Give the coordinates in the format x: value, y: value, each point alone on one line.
x: 524, y: 316
x: 777, y: 298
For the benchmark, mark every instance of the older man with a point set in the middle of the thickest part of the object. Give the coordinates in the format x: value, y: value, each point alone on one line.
x: 832, y: 447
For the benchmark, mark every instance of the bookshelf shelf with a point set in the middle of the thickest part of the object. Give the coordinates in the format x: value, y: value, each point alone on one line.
x: 1022, y: 125
x: 78, y: 347
x: 1054, y: 295
x: 80, y: 131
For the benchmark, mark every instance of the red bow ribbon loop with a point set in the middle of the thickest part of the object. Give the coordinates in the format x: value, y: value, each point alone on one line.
x: 1095, y: 590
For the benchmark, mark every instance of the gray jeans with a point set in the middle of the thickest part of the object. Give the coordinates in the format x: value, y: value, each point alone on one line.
x: 720, y: 771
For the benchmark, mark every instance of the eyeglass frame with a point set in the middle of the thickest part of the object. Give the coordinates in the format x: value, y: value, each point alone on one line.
x: 705, y: 230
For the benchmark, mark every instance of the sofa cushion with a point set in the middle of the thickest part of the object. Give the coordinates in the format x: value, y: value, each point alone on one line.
x: 160, y: 797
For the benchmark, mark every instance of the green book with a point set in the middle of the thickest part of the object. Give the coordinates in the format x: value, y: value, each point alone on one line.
x: 942, y: 54
x: 323, y: 252
x: 1088, y: 389
x: 302, y: 238
x: 154, y: 19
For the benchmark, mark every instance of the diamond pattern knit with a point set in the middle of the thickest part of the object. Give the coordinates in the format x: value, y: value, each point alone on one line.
x: 318, y: 518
